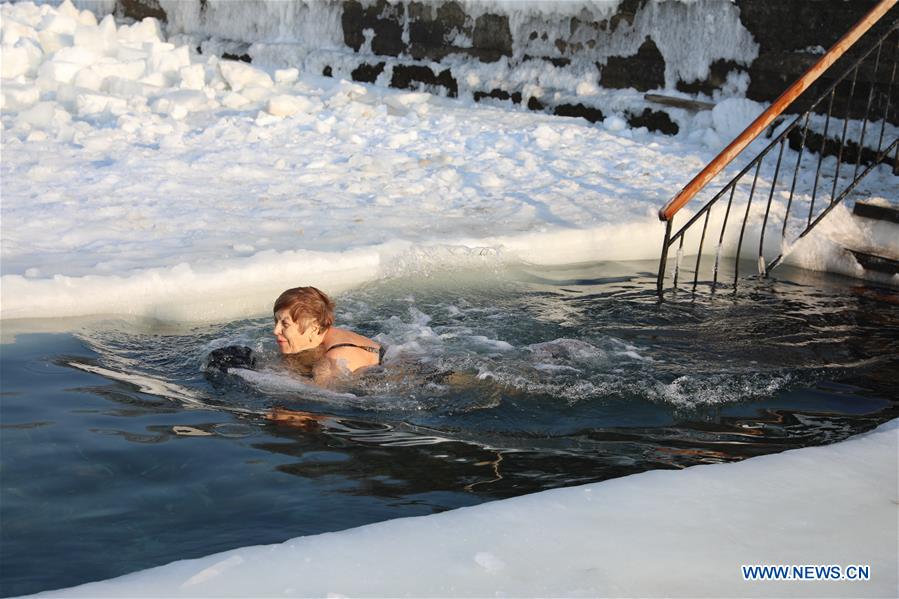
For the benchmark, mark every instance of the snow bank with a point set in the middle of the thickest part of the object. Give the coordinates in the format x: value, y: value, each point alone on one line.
x: 142, y: 178
x: 662, y: 533
x: 187, y: 294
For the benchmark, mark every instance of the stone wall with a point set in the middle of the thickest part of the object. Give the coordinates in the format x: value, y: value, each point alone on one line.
x: 427, y: 45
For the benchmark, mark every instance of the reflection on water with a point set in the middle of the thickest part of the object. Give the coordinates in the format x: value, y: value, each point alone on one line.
x: 119, y: 454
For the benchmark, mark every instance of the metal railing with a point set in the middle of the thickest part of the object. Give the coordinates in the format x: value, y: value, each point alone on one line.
x: 878, y: 65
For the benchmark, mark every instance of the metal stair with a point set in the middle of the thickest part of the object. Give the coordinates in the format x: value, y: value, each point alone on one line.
x: 834, y: 126
x: 872, y: 259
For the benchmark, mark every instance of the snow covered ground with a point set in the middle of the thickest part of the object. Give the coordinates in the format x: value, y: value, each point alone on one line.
x: 140, y: 177
x: 679, y: 533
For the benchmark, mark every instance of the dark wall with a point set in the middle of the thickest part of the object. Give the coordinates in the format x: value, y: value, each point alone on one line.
x: 784, y: 30
x: 788, y: 33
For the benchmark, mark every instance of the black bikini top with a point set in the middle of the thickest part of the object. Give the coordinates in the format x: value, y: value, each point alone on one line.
x: 375, y: 350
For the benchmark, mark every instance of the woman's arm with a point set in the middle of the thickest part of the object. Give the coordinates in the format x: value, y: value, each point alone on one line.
x: 329, y: 368
x: 324, y: 372
x: 340, y: 362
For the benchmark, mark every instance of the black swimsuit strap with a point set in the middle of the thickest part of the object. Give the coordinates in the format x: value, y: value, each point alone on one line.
x: 373, y: 350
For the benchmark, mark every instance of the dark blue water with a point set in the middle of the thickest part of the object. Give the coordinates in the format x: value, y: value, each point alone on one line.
x: 117, y: 453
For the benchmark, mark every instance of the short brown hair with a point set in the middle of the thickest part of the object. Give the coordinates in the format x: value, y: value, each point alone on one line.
x: 307, y: 303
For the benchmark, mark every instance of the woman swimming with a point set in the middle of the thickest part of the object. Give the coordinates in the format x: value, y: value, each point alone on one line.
x: 304, y: 319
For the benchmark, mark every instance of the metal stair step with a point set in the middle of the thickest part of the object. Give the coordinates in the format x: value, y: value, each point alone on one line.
x: 876, y: 263
x: 876, y: 212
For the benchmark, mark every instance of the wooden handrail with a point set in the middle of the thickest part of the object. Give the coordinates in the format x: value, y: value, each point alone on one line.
x: 766, y: 118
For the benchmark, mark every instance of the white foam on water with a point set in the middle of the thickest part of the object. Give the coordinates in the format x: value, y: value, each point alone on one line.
x: 282, y: 384
x: 146, y: 384
x: 691, y: 391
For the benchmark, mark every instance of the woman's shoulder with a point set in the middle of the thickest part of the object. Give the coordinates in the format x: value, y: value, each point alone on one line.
x: 344, y: 347
x: 338, y: 336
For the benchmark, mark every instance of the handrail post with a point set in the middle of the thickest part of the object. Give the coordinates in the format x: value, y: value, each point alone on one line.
x: 660, y: 281
x: 767, y: 117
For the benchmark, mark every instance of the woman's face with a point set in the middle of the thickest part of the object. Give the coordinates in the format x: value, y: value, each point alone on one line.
x: 291, y: 336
